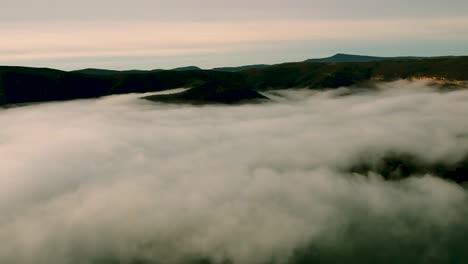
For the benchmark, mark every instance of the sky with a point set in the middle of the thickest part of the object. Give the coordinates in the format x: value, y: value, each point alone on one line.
x: 152, y: 34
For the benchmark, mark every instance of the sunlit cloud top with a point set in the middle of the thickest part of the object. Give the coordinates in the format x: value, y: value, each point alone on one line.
x: 145, y: 34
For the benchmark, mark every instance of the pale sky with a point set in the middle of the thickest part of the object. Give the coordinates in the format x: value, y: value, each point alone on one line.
x: 152, y: 34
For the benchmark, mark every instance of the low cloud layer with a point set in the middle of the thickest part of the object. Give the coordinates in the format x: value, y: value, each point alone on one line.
x: 123, y: 180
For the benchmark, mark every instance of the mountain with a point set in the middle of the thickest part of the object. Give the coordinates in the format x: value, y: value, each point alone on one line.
x: 340, y: 57
x: 24, y: 85
x: 241, y: 68
x: 212, y: 92
x: 333, y: 75
x: 103, y: 72
x: 187, y: 68
x: 337, y: 58
x: 99, y: 72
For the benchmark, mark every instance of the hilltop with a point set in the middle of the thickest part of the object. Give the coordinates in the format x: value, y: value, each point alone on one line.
x: 341, y: 57
x: 23, y: 85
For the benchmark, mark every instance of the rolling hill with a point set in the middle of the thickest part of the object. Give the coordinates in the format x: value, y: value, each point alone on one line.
x: 23, y: 85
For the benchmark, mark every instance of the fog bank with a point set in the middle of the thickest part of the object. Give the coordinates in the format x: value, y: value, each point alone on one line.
x: 124, y: 180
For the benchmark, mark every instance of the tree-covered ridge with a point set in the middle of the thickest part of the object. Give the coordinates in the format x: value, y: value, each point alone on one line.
x: 22, y: 85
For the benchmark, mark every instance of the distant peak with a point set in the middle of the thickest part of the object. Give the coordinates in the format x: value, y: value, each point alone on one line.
x: 342, y: 54
x: 187, y: 68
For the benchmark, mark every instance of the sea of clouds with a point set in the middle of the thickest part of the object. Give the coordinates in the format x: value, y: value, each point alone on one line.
x: 124, y: 180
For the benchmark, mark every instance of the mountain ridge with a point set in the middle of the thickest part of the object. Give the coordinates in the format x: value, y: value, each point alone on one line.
x: 337, y: 58
x: 20, y: 85
x: 343, y: 57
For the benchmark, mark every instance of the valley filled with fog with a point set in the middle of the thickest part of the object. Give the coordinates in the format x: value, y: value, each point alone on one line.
x: 303, y: 178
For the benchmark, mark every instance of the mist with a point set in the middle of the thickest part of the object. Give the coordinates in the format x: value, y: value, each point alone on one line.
x: 124, y: 180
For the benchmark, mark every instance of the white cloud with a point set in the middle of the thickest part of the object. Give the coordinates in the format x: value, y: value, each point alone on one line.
x: 119, y: 178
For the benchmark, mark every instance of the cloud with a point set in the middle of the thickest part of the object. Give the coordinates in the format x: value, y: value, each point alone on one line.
x: 119, y: 179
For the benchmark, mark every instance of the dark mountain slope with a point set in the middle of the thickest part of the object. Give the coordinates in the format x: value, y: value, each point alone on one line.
x: 187, y: 68
x: 21, y: 85
x: 212, y: 92
x: 340, y: 57
x: 332, y: 75
x: 241, y: 68
x: 103, y: 72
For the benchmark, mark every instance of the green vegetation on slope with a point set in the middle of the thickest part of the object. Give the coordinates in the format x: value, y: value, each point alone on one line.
x: 212, y: 92
x: 21, y: 85
x: 332, y: 75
